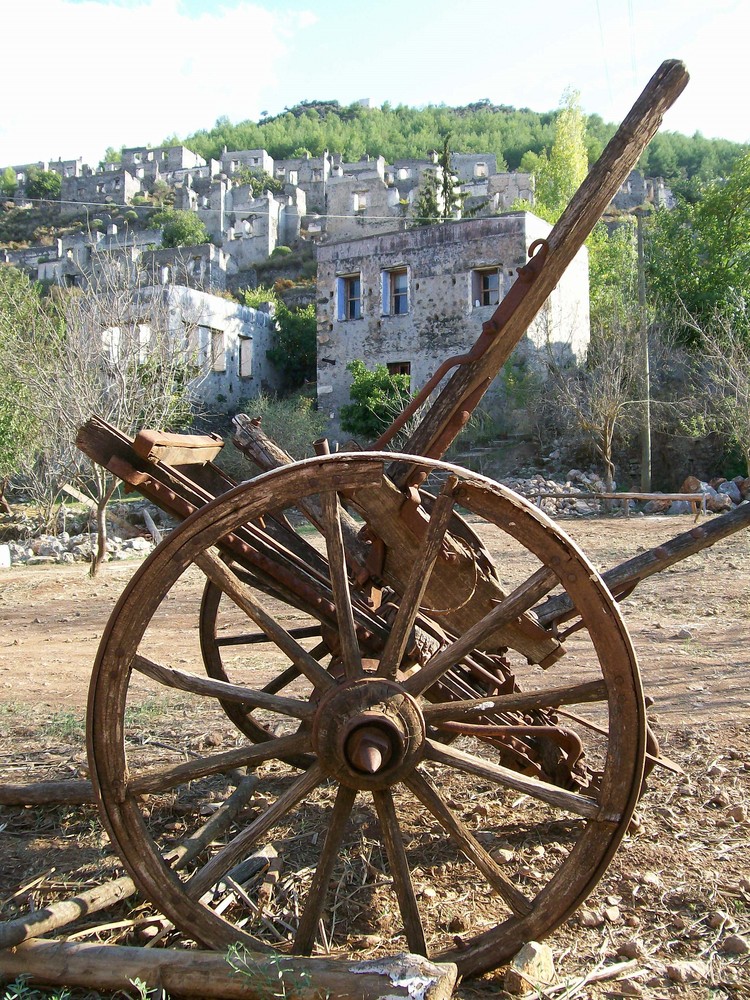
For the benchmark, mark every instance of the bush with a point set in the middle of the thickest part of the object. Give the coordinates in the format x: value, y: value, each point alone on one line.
x: 294, y: 349
x: 377, y: 397
x: 42, y: 183
x: 281, y: 251
x: 180, y: 228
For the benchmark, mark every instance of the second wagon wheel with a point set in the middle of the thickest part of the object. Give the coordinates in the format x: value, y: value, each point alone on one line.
x: 396, y: 822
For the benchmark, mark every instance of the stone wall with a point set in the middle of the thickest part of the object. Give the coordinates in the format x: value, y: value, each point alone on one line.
x: 232, y: 341
x: 445, y: 266
x: 116, y: 186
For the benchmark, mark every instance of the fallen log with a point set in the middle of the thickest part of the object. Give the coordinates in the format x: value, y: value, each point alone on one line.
x: 71, y: 792
x: 208, y: 974
x: 65, y: 911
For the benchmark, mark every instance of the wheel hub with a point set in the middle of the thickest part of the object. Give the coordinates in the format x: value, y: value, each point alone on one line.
x: 369, y: 733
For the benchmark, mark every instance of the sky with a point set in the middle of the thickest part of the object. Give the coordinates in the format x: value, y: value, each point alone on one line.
x: 89, y: 74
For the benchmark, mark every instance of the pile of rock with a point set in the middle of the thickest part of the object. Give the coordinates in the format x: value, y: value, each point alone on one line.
x: 721, y: 495
x: 572, y: 497
x: 66, y: 548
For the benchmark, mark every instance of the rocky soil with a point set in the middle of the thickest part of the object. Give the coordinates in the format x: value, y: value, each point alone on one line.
x: 672, y: 912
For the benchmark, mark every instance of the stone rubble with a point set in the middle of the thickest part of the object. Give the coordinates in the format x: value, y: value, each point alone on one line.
x: 571, y: 498
x: 721, y: 495
x: 21, y: 543
x: 65, y: 548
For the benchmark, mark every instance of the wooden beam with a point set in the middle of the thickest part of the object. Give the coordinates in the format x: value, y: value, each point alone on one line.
x: 567, y: 237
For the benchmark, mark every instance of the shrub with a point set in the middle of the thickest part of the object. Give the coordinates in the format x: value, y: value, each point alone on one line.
x: 293, y: 424
x: 377, y: 397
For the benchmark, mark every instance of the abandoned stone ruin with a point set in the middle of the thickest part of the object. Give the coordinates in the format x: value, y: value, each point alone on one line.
x: 387, y: 291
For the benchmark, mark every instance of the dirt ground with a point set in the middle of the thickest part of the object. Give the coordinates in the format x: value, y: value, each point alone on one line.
x: 676, y: 901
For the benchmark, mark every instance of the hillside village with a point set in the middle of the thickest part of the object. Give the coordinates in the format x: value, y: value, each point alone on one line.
x: 384, y: 292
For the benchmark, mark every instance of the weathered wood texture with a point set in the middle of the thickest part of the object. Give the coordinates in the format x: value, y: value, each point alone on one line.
x: 207, y: 974
x: 459, y: 585
x: 177, y: 449
x: 70, y: 792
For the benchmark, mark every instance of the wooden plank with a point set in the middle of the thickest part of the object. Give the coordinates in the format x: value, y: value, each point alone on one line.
x: 177, y: 449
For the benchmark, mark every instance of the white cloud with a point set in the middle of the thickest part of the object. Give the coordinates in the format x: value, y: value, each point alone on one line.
x: 93, y: 74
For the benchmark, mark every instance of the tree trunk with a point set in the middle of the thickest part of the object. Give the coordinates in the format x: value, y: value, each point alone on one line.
x: 4, y: 505
x: 208, y: 974
x: 97, y: 557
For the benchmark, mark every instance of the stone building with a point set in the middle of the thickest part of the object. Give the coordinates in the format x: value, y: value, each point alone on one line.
x: 229, y: 343
x: 411, y: 299
x: 638, y: 190
x: 311, y: 174
x: 144, y: 162
x: 116, y: 187
x: 256, y: 160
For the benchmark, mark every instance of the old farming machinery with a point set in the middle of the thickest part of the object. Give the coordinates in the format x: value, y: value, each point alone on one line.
x: 384, y: 672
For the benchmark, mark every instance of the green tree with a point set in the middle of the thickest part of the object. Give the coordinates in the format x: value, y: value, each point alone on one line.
x: 401, y: 132
x: 43, y: 184
x: 377, y: 397
x: 439, y: 196
x: 8, y: 182
x: 111, y: 155
x: 699, y: 257
x: 294, y: 349
x: 613, y: 272
x: 559, y: 174
x: 181, y: 228
x: 20, y: 311
x: 259, y: 180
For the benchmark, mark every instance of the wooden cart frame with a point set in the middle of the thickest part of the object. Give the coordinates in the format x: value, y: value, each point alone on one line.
x: 409, y: 665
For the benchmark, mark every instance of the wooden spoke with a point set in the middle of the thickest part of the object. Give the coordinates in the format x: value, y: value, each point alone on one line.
x: 304, y: 939
x: 251, y: 639
x: 281, y: 680
x: 420, y: 785
x: 218, y: 572
x: 158, y: 779
x: 228, y: 856
x: 526, y: 701
x: 340, y: 584
x: 198, y: 841
x: 522, y: 598
x: 252, y: 698
x: 390, y: 832
x: 581, y: 805
x: 418, y: 579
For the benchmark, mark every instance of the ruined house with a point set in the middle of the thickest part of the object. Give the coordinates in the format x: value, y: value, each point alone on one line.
x: 408, y: 300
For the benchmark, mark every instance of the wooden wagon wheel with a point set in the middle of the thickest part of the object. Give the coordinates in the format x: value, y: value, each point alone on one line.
x: 390, y: 825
